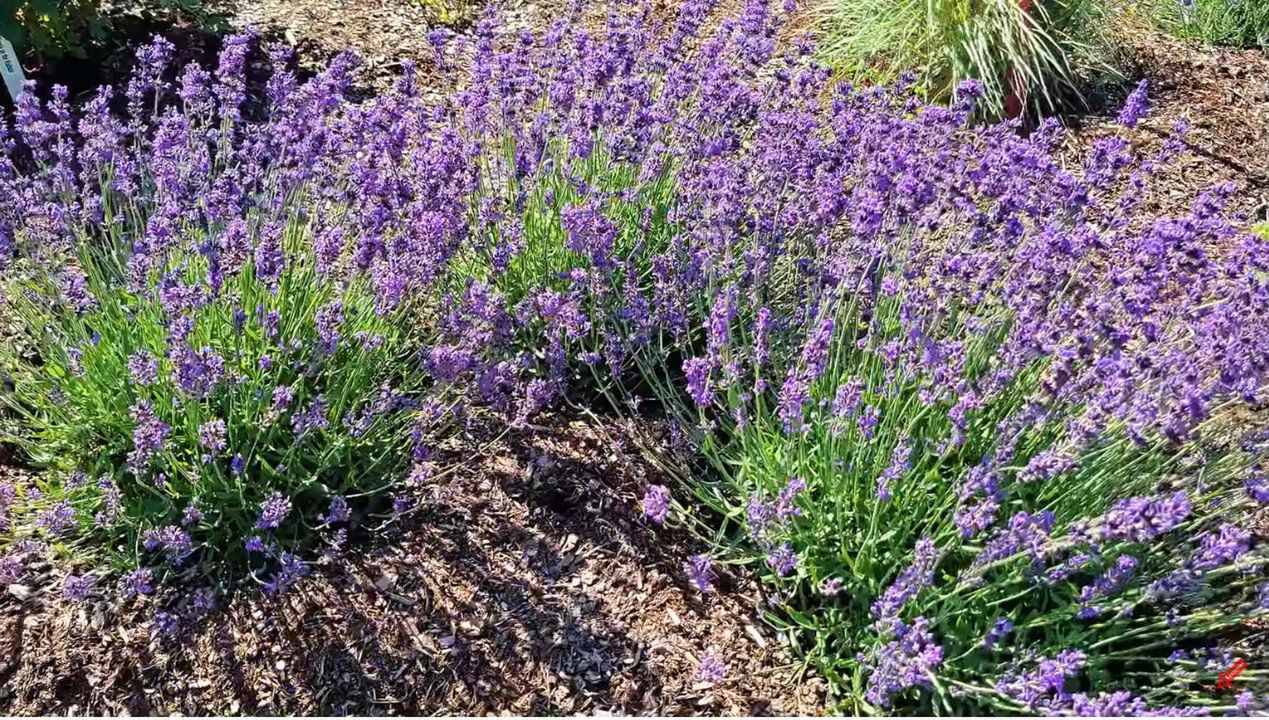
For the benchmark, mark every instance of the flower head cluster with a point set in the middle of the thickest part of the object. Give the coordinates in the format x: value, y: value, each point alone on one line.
x: 699, y: 572
x: 917, y: 577
x: 273, y: 511
x: 1047, y: 683
x: 1143, y: 518
x: 656, y: 503
x: 910, y: 660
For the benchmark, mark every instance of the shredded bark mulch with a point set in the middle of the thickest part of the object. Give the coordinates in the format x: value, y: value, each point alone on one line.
x: 1224, y: 95
x: 527, y: 583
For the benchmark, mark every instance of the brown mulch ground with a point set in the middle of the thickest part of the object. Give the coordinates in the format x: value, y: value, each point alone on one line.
x: 1222, y: 92
x: 528, y: 583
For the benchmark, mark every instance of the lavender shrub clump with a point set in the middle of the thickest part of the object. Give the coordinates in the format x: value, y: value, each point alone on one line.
x: 969, y: 404
x: 185, y: 280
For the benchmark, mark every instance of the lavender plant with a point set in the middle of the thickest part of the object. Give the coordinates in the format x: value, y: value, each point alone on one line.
x: 967, y: 410
x: 213, y: 377
x: 972, y: 414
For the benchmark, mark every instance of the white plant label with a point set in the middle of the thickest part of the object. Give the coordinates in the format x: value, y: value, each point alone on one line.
x: 11, y: 69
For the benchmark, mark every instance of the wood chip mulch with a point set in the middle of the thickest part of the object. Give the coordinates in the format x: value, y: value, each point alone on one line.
x: 1224, y: 95
x: 529, y: 583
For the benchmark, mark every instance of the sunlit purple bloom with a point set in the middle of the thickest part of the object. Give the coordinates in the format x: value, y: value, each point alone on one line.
x: 172, y: 540
x: 760, y: 515
x: 328, y: 320
x: 1046, y: 683
x: 782, y: 559
x: 166, y: 624
x: 1115, y: 704
x: 12, y: 565
x: 77, y: 588
x: 1219, y: 548
x: 793, y: 398
x: 204, y: 600
x: 868, y: 422
x: 656, y: 503
x: 211, y: 435
x: 339, y: 511
x: 148, y: 436
x: 400, y: 505
x: 899, y: 458
x: 1106, y: 584
x: 1026, y: 533
x: 1244, y: 701
x: 785, y: 507
x: 999, y: 631
x: 283, y: 396
x: 290, y: 571
x: 910, y: 660
x: 1047, y: 464
x: 698, y: 571
x: 711, y: 669
x: 273, y: 511
x: 310, y: 419
x: 58, y: 519
x: 1136, y: 107
x: 696, y: 371
x: 137, y: 582
x: 75, y: 292
x: 1142, y: 518
x: 916, y: 577
x: 846, y: 401
x: 197, y: 372
x: 1257, y: 486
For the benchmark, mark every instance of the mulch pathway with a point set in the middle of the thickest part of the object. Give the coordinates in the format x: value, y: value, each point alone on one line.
x: 527, y: 583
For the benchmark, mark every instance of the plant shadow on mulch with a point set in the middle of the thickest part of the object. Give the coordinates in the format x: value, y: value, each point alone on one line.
x: 1223, y: 95
x: 526, y: 582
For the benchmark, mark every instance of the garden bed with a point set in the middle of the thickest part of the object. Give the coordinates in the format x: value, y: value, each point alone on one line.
x: 530, y: 578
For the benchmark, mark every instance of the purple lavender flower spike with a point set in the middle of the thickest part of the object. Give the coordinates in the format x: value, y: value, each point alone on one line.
x: 910, y: 660
x: 1136, y: 107
x: 782, y: 559
x: 917, y: 577
x: 273, y: 511
x: 699, y: 573
x: 711, y: 670
x: 656, y: 503
x: 999, y: 631
x: 138, y: 582
x: 78, y: 588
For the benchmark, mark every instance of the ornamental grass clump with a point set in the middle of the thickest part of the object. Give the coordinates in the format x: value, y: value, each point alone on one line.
x: 1215, y: 22
x: 968, y: 409
x: 1028, y: 55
